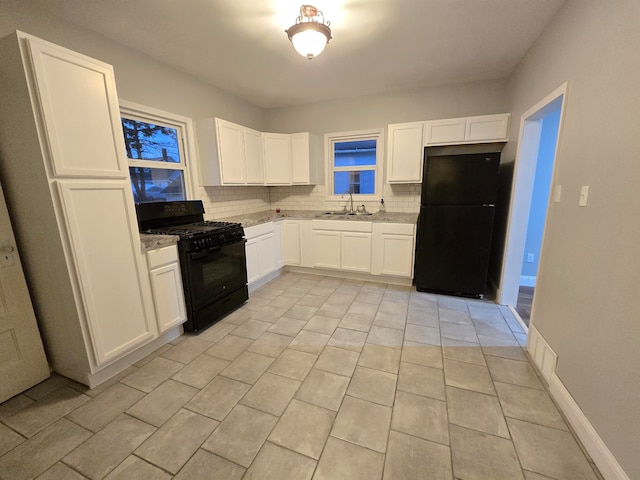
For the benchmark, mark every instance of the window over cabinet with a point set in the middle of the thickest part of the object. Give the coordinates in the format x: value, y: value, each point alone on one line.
x: 157, y: 152
x: 354, y: 163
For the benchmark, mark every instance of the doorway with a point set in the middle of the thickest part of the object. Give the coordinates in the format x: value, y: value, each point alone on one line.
x: 540, y: 128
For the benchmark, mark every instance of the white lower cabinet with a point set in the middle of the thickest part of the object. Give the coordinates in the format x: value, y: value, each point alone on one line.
x: 393, y: 249
x: 327, y: 249
x: 356, y: 251
x: 291, y: 250
x: 342, y: 245
x: 262, y: 257
x: 100, y: 222
x: 166, y: 285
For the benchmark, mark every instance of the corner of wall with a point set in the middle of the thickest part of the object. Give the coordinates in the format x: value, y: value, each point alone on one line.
x: 546, y: 360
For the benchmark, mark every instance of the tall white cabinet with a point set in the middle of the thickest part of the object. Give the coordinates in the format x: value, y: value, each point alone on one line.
x: 62, y: 155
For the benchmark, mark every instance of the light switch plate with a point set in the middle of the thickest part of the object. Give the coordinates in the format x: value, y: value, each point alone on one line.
x: 557, y: 194
x: 584, y: 196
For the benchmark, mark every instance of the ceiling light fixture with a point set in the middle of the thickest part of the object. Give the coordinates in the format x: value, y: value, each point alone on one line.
x: 311, y: 33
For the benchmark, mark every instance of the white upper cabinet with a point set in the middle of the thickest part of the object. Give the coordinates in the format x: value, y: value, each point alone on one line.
x: 487, y: 128
x: 253, y: 156
x: 276, y: 150
x: 79, y: 105
x: 305, y: 167
x: 451, y: 131
x: 404, y: 152
x: 230, y: 154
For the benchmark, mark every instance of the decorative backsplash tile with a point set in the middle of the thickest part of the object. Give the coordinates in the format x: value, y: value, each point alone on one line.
x: 230, y: 201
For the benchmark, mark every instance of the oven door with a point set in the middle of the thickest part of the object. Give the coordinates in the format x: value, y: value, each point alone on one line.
x: 216, y: 273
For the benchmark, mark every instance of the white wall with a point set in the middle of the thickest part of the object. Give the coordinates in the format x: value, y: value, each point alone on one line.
x: 143, y: 80
x: 586, y: 304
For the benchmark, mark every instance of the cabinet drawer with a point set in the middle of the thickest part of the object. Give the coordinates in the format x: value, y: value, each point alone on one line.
x: 162, y: 256
x: 258, y: 230
x: 342, y: 225
x: 395, y: 228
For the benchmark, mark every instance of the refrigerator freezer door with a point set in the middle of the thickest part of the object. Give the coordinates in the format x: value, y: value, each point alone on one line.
x: 460, y: 179
x: 452, y: 249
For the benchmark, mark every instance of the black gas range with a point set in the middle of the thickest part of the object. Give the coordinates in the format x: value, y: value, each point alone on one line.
x: 212, y: 258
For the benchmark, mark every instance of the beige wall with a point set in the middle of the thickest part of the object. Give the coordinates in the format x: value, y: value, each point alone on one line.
x: 586, y: 303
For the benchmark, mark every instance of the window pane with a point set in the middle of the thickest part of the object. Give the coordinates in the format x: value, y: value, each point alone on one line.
x: 146, y: 141
x: 358, y: 152
x: 157, y: 184
x: 357, y: 182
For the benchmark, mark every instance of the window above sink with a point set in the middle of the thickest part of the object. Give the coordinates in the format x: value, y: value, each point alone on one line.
x: 354, y: 164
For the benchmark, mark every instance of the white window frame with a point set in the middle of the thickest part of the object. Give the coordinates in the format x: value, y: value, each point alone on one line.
x: 331, y: 138
x: 186, y: 142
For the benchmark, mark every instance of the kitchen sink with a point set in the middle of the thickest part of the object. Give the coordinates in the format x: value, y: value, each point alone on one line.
x: 342, y: 214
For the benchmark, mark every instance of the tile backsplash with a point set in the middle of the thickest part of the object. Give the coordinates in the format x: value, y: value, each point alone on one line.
x: 221, y: 202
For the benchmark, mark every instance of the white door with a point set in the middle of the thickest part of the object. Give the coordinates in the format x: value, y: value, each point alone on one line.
x: 22, y: 359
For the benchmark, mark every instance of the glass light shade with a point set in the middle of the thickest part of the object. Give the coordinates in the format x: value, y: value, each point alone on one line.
x: 309, y: 43
x: 309, y: 38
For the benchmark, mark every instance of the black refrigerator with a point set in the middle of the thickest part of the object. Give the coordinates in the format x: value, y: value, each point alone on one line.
x: 457, y: 206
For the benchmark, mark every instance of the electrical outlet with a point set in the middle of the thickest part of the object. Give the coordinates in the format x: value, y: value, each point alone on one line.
x: 530, y: 257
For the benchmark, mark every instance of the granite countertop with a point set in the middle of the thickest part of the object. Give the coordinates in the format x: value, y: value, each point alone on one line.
x: 252, y: 219
x: 151, y: 242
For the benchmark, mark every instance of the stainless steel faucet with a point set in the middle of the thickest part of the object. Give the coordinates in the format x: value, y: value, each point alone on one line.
x: 351, y: 197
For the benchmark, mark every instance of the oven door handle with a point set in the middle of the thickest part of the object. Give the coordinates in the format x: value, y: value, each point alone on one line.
x: 204, y: 253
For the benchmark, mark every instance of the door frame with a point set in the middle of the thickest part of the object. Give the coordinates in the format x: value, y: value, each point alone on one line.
x: 520, y: 204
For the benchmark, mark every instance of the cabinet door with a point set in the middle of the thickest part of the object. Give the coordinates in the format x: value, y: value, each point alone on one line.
x: 277, y: 158
x: 168, y: 296
x: 395, y: 255
x: 231, y: 152
x: 356, y: 251
x: 266, y: 254
x: 300, y: 171
x: 326, y: 246
x: 113, y: 283
x: 79, y: 103
x: 291, y: 242
x: 451, y: 130
x: 277, y: 245
x: 253, y: 260
x: 487, y: 128
x: 405, y: 152
x: 253, y: 156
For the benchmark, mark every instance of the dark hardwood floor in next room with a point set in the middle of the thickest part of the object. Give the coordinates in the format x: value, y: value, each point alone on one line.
x: 525, y: 298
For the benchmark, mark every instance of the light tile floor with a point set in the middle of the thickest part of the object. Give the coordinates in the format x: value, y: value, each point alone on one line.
x: 314, y: 377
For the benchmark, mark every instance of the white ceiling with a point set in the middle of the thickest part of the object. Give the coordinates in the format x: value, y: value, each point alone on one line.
x: 378, y: 45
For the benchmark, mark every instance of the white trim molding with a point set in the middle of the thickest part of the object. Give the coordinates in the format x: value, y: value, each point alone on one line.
x: 546, y: 359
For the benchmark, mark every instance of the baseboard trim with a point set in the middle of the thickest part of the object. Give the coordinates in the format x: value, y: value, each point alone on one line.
x: 517, y: 316
x: 593, y: 444
x: 256, y: 284
x: 546, y: 360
